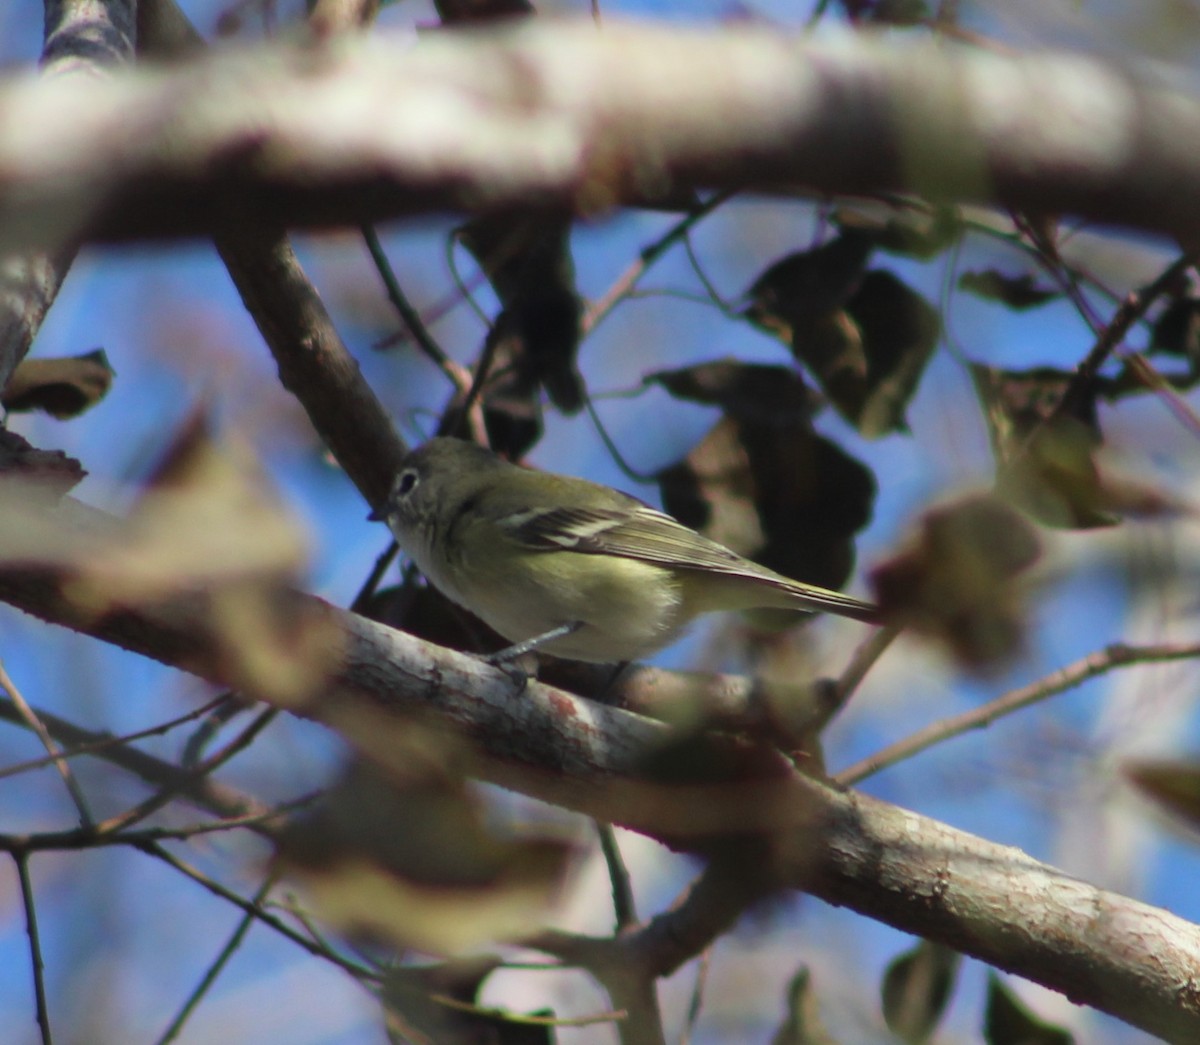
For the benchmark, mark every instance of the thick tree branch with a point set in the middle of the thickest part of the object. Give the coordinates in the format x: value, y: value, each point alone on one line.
x: 82, y: 38
x: 1126, y: 958
x: 314, y: 363
x: 364, y: 130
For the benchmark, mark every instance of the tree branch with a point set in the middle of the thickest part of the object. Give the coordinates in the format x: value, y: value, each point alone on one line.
x: 359, y: 130
x: 314, y: 363
x: 993, y: 902
x: 82, y: 38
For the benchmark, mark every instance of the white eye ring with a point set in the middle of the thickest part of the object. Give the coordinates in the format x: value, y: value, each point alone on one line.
x: 406, y: 483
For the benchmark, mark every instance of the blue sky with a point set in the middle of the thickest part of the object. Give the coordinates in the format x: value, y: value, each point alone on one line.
x: 126, y: 939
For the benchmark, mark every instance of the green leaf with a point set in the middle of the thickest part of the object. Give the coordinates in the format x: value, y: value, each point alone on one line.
x: 916, y: 988
x: 1173, y: 784
x: 1045, y: 447
x: 956, y: 579
x: 802, y: 1023
x: 1176, y: 332
x: 1008, y: 1022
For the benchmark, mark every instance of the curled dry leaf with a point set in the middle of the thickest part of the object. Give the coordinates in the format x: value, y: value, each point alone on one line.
x: 406, y: 857
x: 1046, y: 445
x: 63, y: 387
x: 904, y: 230
x: 865, y: 336
x: 802, y: 290
x: 1018, y: 292
x: 206, y: 539
x: 206, y: 518
x: 762, y: 481
x: 534, y: 340
x: 956, y: 579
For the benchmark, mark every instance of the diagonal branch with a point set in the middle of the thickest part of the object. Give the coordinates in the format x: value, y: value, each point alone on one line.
x: 891, y: 864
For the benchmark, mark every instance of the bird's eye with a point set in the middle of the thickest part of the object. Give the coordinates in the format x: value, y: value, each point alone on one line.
x: 406, y: 483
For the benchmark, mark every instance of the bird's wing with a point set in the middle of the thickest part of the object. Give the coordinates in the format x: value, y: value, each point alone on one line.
x: 637, y: 532
x: 640, y: 532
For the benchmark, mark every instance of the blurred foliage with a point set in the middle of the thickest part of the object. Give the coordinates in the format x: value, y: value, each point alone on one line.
x: 63, y: 387
x: 1008, y: 1022
x: 917, y: 987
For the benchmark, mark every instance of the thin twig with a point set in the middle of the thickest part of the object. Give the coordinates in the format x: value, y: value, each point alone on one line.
x: 1130, y: 311
x: 359, y: 972
x: 461, y: 285
x: 193, y: 749
x: 1178, y: 406
x: 378, y: 571
x: 92, y: 838
x: 612, y: 448
x: 862, y: 661
x: 709, y: 288
x: 456, y: 413
x: 1100, y: 662
x: 697, y: 1000
x: 208, y: 794
x: 435, y: 312
x: 35, y: 947
x: 1048, y: 257
x: 648, y: 256
x: 412, y: 318
x: 170, y: 791
x: 98, y: 746
x: 38, y: 727
x: 624, y: 907
x: 214, y: 970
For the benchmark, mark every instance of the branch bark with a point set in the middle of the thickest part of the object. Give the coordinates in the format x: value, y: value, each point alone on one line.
x: 83, y: 38
x: 352, y: 130
x: 1134, y: 961
x: 314, y: 363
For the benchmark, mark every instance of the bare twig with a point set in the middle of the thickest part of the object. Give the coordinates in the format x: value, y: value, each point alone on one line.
x: 36, y: 965
x: 412, y: 318
x: 624, y: 907
x: 214, y: 970
x: 253, y: 910
x: 862, y: 661
x: 38, y: 727
x: 697, y: 1000
x: 1101, y: 662
x: 206, y: 793
x: 646, y: 258
x: 1131, y: 310
x: 1178, y: 406
x: 172, y: 790
x: 98, y: 746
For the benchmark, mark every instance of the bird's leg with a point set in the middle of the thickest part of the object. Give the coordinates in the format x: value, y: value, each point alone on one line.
x: 504, y: 659
x: 518, y: 649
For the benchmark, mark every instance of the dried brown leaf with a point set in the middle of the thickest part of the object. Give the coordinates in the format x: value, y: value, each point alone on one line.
x: 63, y: 387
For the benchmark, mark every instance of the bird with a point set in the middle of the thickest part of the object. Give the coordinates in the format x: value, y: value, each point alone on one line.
x: 571, y: 567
